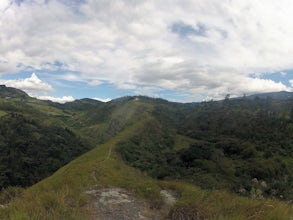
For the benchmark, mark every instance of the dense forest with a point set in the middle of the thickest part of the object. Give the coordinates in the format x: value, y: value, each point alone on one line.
x: 243, y: 145
x: 33, y: 143
x: 31, y: 151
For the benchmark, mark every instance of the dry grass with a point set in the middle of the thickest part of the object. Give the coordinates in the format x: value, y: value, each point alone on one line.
x: 61, y: 196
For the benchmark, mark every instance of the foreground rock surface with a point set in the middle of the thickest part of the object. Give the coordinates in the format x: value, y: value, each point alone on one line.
x: 117, y: 204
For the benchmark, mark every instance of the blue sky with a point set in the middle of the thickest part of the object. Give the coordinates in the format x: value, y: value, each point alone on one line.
x: 182, y: 51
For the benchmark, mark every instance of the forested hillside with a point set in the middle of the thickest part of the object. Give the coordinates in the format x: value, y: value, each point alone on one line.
x: 239, y: 145
x: 34, y: 142
x: 243, y: 146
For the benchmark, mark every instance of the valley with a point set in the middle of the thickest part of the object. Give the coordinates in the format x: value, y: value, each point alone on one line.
x: 230, y: 159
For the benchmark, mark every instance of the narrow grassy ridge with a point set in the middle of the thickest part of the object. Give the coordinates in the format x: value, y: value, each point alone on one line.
x: 61, y: 196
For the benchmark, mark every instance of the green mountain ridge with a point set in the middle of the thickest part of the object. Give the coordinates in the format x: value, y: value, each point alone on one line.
x: 9, y: 92
x: 274, y: 95
x: 144, y: 145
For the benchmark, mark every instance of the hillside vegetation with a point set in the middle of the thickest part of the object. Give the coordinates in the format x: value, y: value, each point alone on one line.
x: 206, y: 153
x: 34, y: 143
x: 62, y: 196
x: 238, y: 145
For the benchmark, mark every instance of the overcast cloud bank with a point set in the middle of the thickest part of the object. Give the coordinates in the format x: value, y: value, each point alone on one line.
x: 203, y: 48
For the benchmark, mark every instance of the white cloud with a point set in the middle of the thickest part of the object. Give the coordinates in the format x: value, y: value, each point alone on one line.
x: 32, y: 85
x: 95, y: 82
x: 283, y: 73
x: 102, y: 99
x: 6, y: 67
x: 125, y: 85
x: 57, y: 99
x: 4, y: 4
x: 291, y: 82
x: 131, y: 43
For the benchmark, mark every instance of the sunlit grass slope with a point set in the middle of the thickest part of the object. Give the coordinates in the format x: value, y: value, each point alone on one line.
x: 62, y: 196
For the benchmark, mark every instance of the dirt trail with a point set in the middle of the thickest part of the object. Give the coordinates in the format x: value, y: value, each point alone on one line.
x: 114, y: 203
x: 93, y: 174
x: 168, y: 197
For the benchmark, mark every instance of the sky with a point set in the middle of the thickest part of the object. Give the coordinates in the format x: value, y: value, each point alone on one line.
x: 179, y: 50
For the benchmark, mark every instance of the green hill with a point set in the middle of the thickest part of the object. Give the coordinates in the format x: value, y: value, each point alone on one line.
x: 219, y: 160
x: 34, y: 142
x: 63, y: 195
x: 9, y: 92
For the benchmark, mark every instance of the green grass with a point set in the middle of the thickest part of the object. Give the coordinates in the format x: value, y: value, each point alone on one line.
x: 2, y: 113
x: 45, y: 108
x: 217, y: 204
x: 61, y: 196
x: 182, y: 142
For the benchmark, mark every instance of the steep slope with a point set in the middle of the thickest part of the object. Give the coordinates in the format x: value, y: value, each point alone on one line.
x: 31, y: 150
x: 34, y: 141
x: 9, y: 92
x: 239, y: 145
x: 108, y: 119
x: 71, y: 193
x: 38, y: 137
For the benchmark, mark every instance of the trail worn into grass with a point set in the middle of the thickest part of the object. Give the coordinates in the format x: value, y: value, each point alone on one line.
x: 115, y: 202
x: 93, y: 174
x: 122, y: 192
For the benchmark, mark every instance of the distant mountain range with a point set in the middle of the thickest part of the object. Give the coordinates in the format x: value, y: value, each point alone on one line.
x: 274, y: 95
x: 7, y: 92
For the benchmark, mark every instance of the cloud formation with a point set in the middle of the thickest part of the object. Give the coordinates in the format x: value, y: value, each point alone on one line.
x: 31, y: 85
x: 102, y: 99
x: 204, y: 47
x: 34, y: 87
x: 57, y: 99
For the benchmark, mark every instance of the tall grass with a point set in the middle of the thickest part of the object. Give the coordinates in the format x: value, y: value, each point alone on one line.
x: 217, y: 204
x: 61, y: 196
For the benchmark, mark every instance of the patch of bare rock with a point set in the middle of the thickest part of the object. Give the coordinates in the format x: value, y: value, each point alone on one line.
x: 115, y: 203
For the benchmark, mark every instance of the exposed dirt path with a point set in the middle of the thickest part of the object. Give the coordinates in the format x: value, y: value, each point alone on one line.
x: 115, y: 203
x: 93, y: 174
x: 168, y: 197
x: 109, y: 154
x: 107, y: 157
